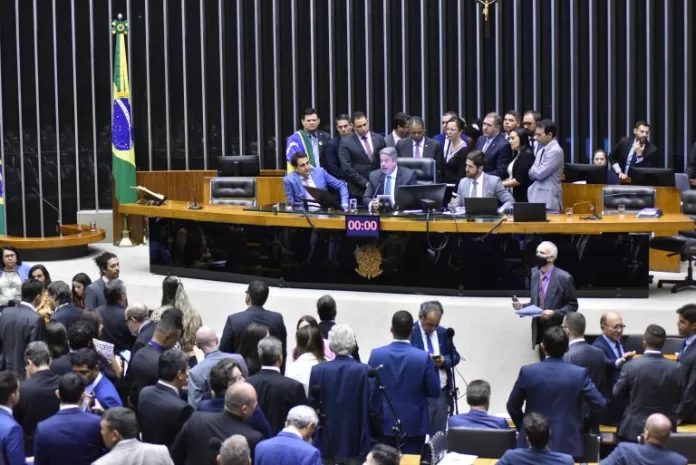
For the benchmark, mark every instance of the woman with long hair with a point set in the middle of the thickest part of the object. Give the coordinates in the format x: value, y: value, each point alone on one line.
x: 12, y: 275
x: 249, y: 346
x: 41, y: 274
x: 455, y: 151
x: 79, y: 285
x: 57, y: 339
x: 518, y: 169
x: 308, y: 352
x: 309, y: 320
x: 174, y: 296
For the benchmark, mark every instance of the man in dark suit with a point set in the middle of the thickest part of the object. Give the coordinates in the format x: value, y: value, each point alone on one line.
x: 80, y: 336
x: 557, y: 390
x: 143, y: 368
x: 538, y: 433
x: 138, y: 321
x: 387, y: 179
x: 60, y: 300
x: 109, y: 268
x: 344, y: 392
x: 344, y: 127
x: 37, y: 395
x: 686, y: 412
x: 493, y: 144
x: 358, y: 154
x: 409, y: 378
x: 652, y: 451
x: 11, y: 436
x: 310, y: 140
x: 652, y: 384
x: 192, y: 444
x: 290, y: 446
x: 256, y: 297
x: 416, y: 145
x: 326, y: 310
x: 478, y: 396
x: 161, y: 411
x: 399, y: 129
x: 635, y: 151
x: 19, y: 326
x: 113, y: 318
x: 552, y: 290
x: 276, y: 393
x: 610, y: 343
x: 429, y: 336
x: 71, y: 436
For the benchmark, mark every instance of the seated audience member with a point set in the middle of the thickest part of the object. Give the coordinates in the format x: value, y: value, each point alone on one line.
x: 290, y: 446
x: 234, y: 451
x: 119, y: 429
x: 60, y: 300
x: 100, y: 392
x: 601, y: 158
x: 79, y: 285
x: 387, y: 179
x: 207, y: 341
x: 478, y: 184
x: 140, y: 325
x: 478, y: 396
x: 248, y: 346
x: 308, y: 353
x: 113, y: 318
x: 37, y: 394
x: 71, y: 436
x: 538, y: 433
x: 306, y: 176
x: 327, y: 311
x: 57, y: 339
x: 383, y: 454
x: 11, y: 435
x: 192, y: 444
x: 657, y: 430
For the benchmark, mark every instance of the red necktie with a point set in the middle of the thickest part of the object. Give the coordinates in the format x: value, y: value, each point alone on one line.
x: 368, y: 149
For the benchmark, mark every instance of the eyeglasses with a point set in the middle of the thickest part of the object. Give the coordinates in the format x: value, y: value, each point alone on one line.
x: 616, y: 327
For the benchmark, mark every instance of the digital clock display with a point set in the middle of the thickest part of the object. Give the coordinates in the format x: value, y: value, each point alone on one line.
x: 362, y: 226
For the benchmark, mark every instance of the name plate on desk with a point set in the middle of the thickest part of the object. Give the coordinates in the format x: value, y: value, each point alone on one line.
x: 362, y: 226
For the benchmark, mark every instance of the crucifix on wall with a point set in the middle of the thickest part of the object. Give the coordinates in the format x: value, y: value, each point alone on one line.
x: 486, y: 5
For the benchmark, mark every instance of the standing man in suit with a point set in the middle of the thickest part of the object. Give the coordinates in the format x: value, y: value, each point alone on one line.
x: 71, y: 436
x: 309, y: 140
x: 529, y: 122
x: 511, y: 120
x: 112, y: 313
x: 350, y: 401
x: 256, y: 297
x: 615, y: 356
x: 60, y: 300
x: 478, y: 396
x: 276, y: 393
x: 399, y: 129
x: 358, y: 154
x: 192, y: 444
x: 207, y: 341
x: 100, y: 390
x: 326, y: 310
x: 234, y: 451
x: 344, y: 127
x: 493, y: 144
x: 37, y: 395
x: 109, y: 268
x: 556, y: 389
x: 416, y: 145
x: 552, y: 290
x: 428, y: 335
x: 652, y: 384
x: 635, y: 151
x: 140, y: 325
x: 19, y: 326
x: 686, y: 326
x: 656, y: 433
x: 547, y: 170
x: 11, y: 435
x: 387, y: 179
x: 409, y: 378
x: 290, y: 446
x: 538, y: 433
x: 479, y: 184
x: 304, y: 175
x: 119, y: 429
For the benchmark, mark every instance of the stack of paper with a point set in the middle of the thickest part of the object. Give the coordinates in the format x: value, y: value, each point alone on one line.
x: 452, y: 458
x: 529, y: 310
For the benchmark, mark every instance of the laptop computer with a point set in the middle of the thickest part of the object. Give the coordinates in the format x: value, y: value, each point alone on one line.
x: 481, y: 206
x: 526, y: 212
x: 324, y: 198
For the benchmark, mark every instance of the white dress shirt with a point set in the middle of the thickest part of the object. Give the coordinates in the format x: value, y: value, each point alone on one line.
x: 436, y: 351
x: 173, y: 388
x: 396, y: 137
x: 308, y: 181
x: 392, y: 184
x: 266, y: 367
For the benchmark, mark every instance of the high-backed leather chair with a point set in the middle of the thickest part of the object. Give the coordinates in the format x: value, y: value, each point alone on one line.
x: 424, y: 168
x: 233, y: 191
x: 486, y: 443
x: 634, y: 198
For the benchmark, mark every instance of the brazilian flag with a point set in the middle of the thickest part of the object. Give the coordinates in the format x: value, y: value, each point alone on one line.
x: 122, y: 126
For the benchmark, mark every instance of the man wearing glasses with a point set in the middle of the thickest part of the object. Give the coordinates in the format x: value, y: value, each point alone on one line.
x: 612, y: 327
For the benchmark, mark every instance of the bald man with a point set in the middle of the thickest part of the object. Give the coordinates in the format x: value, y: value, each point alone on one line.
x: 657, y: 430
x: 612, y: 326
x: 192, y: 445
x: 207, y: 341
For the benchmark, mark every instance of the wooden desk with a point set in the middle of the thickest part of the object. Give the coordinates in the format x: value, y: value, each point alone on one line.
x: 73, y: 243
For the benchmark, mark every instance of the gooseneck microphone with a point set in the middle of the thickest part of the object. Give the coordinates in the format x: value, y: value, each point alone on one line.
x: 194, y: 205
x: 397, y: 428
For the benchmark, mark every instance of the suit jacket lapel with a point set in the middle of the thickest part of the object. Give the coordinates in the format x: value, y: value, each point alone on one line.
x: 318, y: 180
x: 298, y: 183
x: 551, y: 289
x: 535, y: 288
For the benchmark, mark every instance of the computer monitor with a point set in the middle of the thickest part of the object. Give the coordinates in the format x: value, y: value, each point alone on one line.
x: 239, y: 165
x: 658, y: 177
x: 591, y: 174
x: 529, y: 212
x: 420, y: 197
x: 481, y: 206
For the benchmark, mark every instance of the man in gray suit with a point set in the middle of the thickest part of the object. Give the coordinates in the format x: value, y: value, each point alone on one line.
x: 416, y: 145
x: 552, y: 290
x: 109, y: 269
x: 119, y: 429
x: 480, y: 184
x: 547, y: 170
x: 399, y: 129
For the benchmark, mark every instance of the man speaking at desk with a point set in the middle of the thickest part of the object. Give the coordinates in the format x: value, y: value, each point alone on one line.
x: 387, y: 179
x: 307, y: 176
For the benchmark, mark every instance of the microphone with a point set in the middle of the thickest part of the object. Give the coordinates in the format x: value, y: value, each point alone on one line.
x: 194, y: 205
x: 374, y: 372
x: 374, y: 196
x: 450, y: 333
x: 215, y: 444
x: 59, y: 230
x: 593, y: 204
x: 315, y: 390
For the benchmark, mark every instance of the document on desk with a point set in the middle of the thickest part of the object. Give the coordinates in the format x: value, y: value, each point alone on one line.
x: 529, y: 310
x: 453, y: 458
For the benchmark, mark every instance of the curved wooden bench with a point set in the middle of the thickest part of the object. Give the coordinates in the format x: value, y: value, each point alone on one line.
x: 72, y: 244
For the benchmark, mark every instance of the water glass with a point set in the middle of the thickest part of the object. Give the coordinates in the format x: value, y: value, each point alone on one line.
x: 622, y: 209
x: 569, y: 212
x: 353, y: 205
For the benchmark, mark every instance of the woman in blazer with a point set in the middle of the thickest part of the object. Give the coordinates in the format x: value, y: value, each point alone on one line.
x: 455, y: 151
x: 518, y: 169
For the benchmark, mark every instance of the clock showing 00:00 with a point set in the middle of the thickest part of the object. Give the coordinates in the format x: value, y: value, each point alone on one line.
x: 362, y: 226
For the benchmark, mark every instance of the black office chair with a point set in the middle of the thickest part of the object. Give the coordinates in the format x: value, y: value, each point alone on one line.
x: 424, y: 168
x: 682, y: 244
x: 672, y: 345
x: 684, y: 444
x: 633, y: 342
x: 233, y: 191
x: 634, y: 198
x: 590, y: 448
x: 486, y: 443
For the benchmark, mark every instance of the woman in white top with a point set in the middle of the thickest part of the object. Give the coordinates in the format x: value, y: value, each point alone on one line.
x: 309, y: 352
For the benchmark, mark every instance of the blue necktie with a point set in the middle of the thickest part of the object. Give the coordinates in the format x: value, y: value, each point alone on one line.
x: 431, y: 350
x: 387, y: 186
x: 681, y: 352
x: 629, y: 160
x: 619, y: 349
